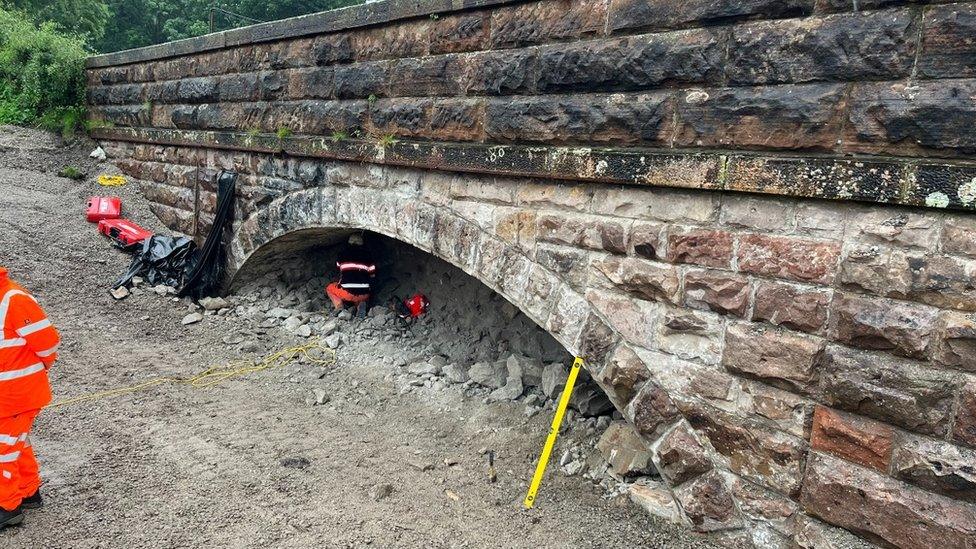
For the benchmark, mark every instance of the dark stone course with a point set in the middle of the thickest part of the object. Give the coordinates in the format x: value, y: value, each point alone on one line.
x: 664, y: 14
x: 948, y: 48
x: 546, y: 21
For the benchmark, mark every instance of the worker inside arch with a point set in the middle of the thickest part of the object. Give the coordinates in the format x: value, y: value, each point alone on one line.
x: 357, y: 274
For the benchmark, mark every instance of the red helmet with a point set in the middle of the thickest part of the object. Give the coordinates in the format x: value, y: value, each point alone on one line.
x: 417, y: 305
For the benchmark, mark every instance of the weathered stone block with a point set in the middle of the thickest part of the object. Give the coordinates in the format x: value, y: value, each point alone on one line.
x: 898, y: 228
x: 436, y: 76
x: 645, y: 240
x: 708, y: 503
x: 680, y: 457
x: 763, y: 505
x: 780, y: 358
x: 538, y: 194
x: 501, y: 73
x: 853, y: 438
x: 790, y: 258
x: 361, y: 80
x: 719, y: 292
x: 660, y: 14
x: 786, y: 411
x: 948, y: 50
x: 456, y: 120
x: 902, y: 120
x: 326, y: 117
x: 936, y: 466
x: 867, y: 323
x: 459, y: 33
x: 645, y: 279
x: 563, y: 119
x: 957, y: 344
x: 762, y: 214
x: 633, y: 63
x: 651, y: 411
x: 964, y: 427
x: 572, y: 265
x: 772, y: 117
x: 622, y: 376
x: 768, y: 457
x: 691, y: 335
x: 238, y: 87
x: 863, y: 501
x: 332, y: 48
x: 400, y: 117
x: 546, y: 21
x: 862, y: 46
x: 959, y: 236
x: 634, y: 319
x: 693, y: 207
x: 811, y: 533
x: 590, y: 233
x: 402, y: 39
x: 701, y: 247
x: 315, y: 83
x: 821, y: 219
x: 791, y: 306
x: 656, y: 499
x: 624, y: 450
x: 896, y: 391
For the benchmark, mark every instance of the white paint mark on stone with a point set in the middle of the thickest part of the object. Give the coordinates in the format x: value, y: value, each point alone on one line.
x: 967, y: 192
x: 696, y: 97
x: 937, y: 200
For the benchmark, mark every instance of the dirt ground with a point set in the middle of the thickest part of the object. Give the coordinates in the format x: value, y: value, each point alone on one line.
x: 249, y: 463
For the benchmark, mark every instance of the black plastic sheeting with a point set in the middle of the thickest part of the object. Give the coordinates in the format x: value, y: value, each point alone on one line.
x: 177, y: 262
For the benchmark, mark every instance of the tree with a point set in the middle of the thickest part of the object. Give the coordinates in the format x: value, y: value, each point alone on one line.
x: 86, y: 18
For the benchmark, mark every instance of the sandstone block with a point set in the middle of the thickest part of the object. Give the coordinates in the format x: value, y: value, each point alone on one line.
x: 897, y: 228
x: 656, y: 499
x: 791, y: 306
x: 657, y: 14
x: 596, y: 341
x: 645, y: 240
x: 622, y: 376
x: 723, y: 293
x: 588, y: 233
x: 781, y: 358
x: 948, y: 50
x: 691, y: 335
x: 896, y: 119
x: 820, y: 48
x: 708, y: 503
x: 680, y: 457
x: 571, y: 119
x: 790, y: 258
x: 546, y: 21
x: 501, y: 73
x: 811, y: 533
x: 669, y: 205
x: 361, y: 80
x: 436, y: 76
x: 238, y: 87
x: 634, y: 319
x: 647, y: 280
x: 624, y: 450
x: 403, y: 39
x: 877, y: 324
x: 572, y: 265
x: 959, y: 236
x: 701, y: 247
x: 332, y: 48
x: 957, y: 345
x: 896, y: 391
x: 763, y: 505
x: 458, y: 33
x: 633, y: 63
x: 651, y: 411
x: 964, y: 428
x: 821, y: 219
x: 853, y: 438
x: 765, y: 456
x: 863, y: 501
x: 935, y: 465
x: 805, y: 116
x: 763, y: 214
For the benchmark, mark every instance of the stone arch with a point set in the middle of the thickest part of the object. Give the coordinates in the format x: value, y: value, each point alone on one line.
x: 695, y: 489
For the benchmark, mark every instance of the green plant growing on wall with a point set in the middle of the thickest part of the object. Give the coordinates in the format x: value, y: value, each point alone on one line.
x: 339, y: 135
x: 371, y: 99
x: 253, y: 132
x: 284, y: 132
x: 386, y: 141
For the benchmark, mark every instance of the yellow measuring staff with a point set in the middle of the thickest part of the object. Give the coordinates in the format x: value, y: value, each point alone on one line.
x: 540, y: 469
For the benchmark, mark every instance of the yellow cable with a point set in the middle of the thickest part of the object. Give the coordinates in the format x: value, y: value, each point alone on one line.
x: 216, y: 374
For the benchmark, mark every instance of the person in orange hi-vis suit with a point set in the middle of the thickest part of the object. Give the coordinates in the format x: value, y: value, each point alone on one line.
x: 28, y: 348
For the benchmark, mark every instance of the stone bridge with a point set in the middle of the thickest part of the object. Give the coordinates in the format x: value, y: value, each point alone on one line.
x: 753, y: 218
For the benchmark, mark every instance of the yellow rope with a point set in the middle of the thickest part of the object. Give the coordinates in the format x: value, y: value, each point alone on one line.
x: 217, y: 374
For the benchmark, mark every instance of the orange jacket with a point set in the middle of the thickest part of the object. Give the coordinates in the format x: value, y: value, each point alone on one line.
x: 27, y: 349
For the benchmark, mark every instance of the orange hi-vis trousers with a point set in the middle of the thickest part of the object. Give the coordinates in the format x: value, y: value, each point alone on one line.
x: 19, y: 475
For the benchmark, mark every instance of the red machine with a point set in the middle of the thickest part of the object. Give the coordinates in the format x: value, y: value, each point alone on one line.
x: 104, y: 207
x: 123, y: 231
x: 417, y: 305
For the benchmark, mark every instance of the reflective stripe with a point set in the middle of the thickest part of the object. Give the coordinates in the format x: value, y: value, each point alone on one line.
x: 35, y: 327
x: 356, y: 267
x: 354, y: 285
x: 9, y: 440
x: 5, y: 303
x: 7, y: 475
x: 49, y: 352
x: 16, y: 342
x: 9, y: 458
x: 23, y: 372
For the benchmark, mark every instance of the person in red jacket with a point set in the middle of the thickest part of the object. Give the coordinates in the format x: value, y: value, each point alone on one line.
x: 28, y: 348
x: 357, y: 269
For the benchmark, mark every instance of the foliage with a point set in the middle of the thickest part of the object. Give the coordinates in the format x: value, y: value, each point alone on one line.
x: 86, y: 18
x: 41, y: 74
x: 71, y: 172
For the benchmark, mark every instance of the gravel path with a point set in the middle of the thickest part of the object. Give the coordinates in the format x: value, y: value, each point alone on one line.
x: 249, y: 463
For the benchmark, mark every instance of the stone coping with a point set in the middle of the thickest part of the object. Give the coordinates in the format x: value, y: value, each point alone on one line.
x: 908, y: 182
x: 363, y: 15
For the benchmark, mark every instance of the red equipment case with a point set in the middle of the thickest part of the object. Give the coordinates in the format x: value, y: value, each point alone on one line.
x: 124, y: 232
x: 104, y: 207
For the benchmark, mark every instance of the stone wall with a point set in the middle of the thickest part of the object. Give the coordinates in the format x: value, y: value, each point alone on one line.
x: 797, y: 361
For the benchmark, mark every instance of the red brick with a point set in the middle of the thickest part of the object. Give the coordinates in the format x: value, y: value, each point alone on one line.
x: 790, y: 258
x: 855, y: 439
